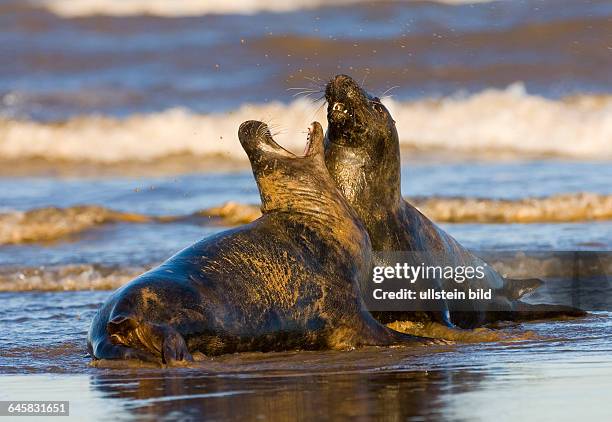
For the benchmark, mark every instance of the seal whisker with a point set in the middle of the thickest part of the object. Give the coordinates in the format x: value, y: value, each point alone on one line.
x: 318, y: 87
x: 303, y: 91
x: 316, y: 112
x: 365, y: 76
x: 263, y: 130
x: 272, y: 125
x: 321, y: 106
x: 389, y: 89
x: 319, y: 83
x: 274, y: 129
x: 308, y: 94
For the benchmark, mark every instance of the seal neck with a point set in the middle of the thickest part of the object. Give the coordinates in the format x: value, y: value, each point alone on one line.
x: 324, y: 205
x: 318, y: 205
x: 369, y: 179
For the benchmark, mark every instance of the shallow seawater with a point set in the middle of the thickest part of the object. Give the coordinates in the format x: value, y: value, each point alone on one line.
x: 83, y: 249
x: 103, y: 62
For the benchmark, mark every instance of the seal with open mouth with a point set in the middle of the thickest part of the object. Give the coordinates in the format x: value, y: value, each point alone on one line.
x: 362, y: 155
x: 289, y: 280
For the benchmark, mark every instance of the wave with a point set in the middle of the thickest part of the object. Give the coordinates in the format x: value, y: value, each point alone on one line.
x: 148, y: 137
x: 492, y: 121
x: 74, y: 8
x: 66, y: 277
x: 553, y: 209
x: 51, y: 223
x: 510, y: 120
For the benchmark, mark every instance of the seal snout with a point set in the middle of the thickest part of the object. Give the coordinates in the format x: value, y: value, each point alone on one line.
x: 340, y: 83
x: 342, y: 89
x: 257, y: 140
x: 342, y: 94
x: 252, y: 134
x: 252, y: 129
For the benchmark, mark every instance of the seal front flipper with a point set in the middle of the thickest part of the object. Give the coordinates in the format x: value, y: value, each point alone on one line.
x: 174, y: 349
x: 160, y: 340
x: 515, y: 288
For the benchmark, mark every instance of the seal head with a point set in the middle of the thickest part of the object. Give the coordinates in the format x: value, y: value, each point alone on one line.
x: 288, y: 182
x: 352, y: 111
x: 362, y: 148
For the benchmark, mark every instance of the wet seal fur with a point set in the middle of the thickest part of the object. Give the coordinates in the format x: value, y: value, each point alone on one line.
x: 289, y: 280
x: 362, y: 155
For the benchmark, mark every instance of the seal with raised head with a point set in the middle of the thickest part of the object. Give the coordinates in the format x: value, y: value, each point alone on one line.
x: 362, y: 155
x: 289, y: 280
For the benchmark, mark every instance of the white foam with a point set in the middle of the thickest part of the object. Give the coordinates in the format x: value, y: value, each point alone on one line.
x: 151, y: 136
x: 73, y: 8
x: 492, y: 120
x: 509, y: 120
x: 66, y: 277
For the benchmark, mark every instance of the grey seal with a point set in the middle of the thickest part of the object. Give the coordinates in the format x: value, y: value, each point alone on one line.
x: 289, y: 280
x: 363, y: 156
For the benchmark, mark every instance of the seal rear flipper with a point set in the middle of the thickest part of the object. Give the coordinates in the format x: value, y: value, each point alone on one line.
x: 528, y: 312
x: 376, y: 334
x: 515, y: 288
x: 400, y: 338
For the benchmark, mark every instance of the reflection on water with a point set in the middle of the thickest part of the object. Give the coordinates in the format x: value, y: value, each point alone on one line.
x: 563, y: 374
x: 552, y: 390
x: 395, y: 396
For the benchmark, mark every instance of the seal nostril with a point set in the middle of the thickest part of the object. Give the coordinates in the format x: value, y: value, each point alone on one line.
x: 342, y: 79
